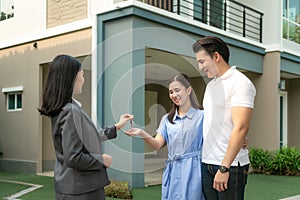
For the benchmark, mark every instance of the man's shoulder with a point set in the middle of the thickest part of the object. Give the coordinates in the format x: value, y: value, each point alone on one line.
x: 239, y: 77
x: 238, y: 74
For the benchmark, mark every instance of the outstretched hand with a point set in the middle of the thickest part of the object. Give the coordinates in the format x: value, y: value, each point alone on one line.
x: 134, y: 132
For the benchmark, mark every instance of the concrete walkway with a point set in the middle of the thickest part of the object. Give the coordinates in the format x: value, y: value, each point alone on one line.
x: 153, y: 171
x: 292, y: 198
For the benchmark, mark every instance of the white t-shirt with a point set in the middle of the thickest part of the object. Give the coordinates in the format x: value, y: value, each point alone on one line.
x: 231, y: 89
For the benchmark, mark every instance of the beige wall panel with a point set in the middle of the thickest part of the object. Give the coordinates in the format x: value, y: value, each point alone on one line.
x: 21, y: 132
x: 85, y: 96
x: 18, y: 129
x: 264, y: 127
x: 294, y: 113
x: 65, y: 11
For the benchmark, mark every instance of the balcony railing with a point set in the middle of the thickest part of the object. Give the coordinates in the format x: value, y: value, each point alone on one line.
x: 228, y: 15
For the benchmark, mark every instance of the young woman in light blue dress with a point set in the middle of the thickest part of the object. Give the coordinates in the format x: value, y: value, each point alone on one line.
x: 181, y: 130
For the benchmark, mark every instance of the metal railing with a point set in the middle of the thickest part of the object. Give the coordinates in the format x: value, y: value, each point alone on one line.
x: 228, y: 15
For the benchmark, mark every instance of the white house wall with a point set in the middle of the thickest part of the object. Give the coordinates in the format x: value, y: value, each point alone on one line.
x: 29, y: 17
x: 271, y: 20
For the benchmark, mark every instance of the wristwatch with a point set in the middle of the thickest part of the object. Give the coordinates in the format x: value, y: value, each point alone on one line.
x: 223, y: 169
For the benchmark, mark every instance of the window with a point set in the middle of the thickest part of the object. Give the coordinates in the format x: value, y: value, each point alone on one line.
x: 13, y: 98
x: 6, y: 9
x: 291, y: 20
x: 14, y: 101
x: 216, y: 13
x: 210, y: 12
x: 200, y: 10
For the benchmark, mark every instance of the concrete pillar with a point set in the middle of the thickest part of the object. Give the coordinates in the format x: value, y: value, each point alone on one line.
x: 120, y: 87
x: 264, y: 129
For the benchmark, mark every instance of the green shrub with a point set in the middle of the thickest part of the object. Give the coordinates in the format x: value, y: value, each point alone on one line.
x: 118, y: 189
x: 285, y: 161
x: 260, y: 160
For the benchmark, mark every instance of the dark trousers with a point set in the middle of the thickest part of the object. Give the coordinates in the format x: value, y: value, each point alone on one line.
x: 94, y: 195
x: 236, y: 183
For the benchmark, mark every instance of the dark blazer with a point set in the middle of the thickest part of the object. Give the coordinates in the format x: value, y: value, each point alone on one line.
x: 77, y: 143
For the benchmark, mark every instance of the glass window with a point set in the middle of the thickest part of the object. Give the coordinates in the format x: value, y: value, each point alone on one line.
x: 293, y: 10
x: 216, y: 13
x: 200, y: 10
x: 14, y: 101
x: 291, y: 20
x: 19, y: 101
x: 285, y: 8
x: 209, y: 11
x: 11, y: 101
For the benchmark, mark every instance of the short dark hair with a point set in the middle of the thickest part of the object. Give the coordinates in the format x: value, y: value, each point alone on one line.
x: 184, y: 80
x: 58, y: 89
x: 212, y: 44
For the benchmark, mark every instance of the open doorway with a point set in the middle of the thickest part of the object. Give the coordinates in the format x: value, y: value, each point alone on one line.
x: 160, y: 66
x: 48, y: 155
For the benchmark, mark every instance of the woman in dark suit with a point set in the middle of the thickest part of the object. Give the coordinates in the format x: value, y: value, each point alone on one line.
x: 80, y: 170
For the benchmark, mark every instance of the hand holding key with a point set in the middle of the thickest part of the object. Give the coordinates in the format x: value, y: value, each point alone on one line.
x: 123, y: 120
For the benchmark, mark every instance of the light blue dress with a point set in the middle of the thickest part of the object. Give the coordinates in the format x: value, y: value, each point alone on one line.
x: 182, y: 173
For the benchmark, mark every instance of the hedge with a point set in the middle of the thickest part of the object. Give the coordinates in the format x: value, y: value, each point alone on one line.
x: 285, y: 161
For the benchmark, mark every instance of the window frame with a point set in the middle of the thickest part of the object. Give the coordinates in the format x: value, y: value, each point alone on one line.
x: 16, y: 91
x: 15, y: 94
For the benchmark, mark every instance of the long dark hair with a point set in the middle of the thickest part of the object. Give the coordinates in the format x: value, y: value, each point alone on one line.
x: 59, y: 85
x: 184, y: 80
x: 212, y: 44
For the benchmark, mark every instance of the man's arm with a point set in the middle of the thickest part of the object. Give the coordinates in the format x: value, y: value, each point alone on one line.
x: 241, y: 117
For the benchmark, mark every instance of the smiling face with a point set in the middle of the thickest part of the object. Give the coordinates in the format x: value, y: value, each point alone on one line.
x: 207, y: 64
x: 179, y: 94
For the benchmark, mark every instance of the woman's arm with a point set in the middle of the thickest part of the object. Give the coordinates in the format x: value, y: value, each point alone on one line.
x: 111, y: 132
x: 156, y: 142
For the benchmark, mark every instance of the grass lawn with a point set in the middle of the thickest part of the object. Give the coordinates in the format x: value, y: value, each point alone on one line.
x: 260, y: 187
x: 46, y: 192
x: 267, y: 187
x: 10, y: 188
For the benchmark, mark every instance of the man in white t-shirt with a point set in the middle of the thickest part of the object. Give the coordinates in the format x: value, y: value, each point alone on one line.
x: 228, y: 103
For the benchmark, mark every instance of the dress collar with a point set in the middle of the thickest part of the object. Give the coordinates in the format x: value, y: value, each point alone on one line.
x: 189, y: 114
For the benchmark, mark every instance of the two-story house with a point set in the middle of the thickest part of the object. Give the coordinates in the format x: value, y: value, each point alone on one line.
x: 129, y: 49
